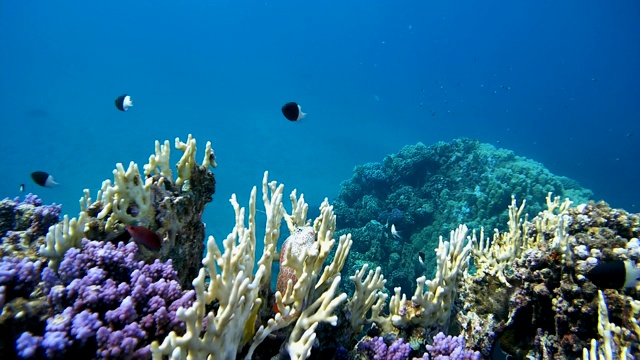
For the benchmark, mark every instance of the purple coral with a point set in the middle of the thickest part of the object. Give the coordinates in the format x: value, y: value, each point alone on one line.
x: 43, y: 218
x: 27, y: 345
x: 34, y: 217
x: 19, y: 277
x: 450, y: 347
x: 376, y: 349
x: 107, y: 304
x: 443, y: 348
x: 22, y: 222
x: 372, y: 348
x: 56, y: 337
x: 30, y: 199
x: 84, y: 325
x: 398, y: 350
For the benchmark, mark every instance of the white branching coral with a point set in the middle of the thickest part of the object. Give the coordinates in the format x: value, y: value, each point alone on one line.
x: 612, y: 345
x: 431, y: 308
x: 368, y: 291
x: 128, y: 191
x: 492, y: 256
x: 159, y: 162
x: 188, y: 161
x: 126, y: 199
x: 306, y: 285
x: 235, y: 287
x: 61, y: 237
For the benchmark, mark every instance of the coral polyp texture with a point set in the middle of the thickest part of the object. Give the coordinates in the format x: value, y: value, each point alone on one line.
x: 81, y: 287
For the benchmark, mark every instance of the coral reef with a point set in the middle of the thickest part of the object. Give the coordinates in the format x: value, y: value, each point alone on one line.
x: 542, y: 304
x: 441, y: 347
x: 85, y: 289
x: 237, y: 293
x: 171, y: 208
x: 33, y: 237
x: 21, y: 299
x: 105, y: 304
x: 428, y: 190
x: 24, y: 223
x: 229, y: 316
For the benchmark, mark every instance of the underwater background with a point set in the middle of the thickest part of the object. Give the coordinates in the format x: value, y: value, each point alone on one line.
x: 556, y: 82
x: 422, y: 116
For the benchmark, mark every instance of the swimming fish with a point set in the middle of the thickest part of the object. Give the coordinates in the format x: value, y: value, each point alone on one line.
x: 143, y: 236
x: 21, y: 188
x: 43, y: 179
x: 124, y: 102
x: 292, y: 111
x: 395, y: 233
x: 421, y: 257
x: 615, y: 274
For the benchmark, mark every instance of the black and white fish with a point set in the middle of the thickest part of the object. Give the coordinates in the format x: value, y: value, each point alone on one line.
x: 615, y: 274
x: 421, y: 258
x: 292, y: 111
x: 124, y: 102
x: 43, y: 179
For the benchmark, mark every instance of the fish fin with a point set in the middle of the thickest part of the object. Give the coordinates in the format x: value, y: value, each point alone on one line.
x: 632, y: 274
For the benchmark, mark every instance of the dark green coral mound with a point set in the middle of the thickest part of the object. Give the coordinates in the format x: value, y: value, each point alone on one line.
x: 427, y: 191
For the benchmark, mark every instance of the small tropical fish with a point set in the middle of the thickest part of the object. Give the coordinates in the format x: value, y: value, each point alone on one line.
x: 421, y: 257
x: 395, y: 233
x: 143, y: 236
x: 615, y: 274
x: 21, y: 188
x: 43, y: 179
x: 292, y: 111
x: 124, y: 102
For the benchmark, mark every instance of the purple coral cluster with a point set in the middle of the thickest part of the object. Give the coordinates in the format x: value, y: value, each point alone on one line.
x: 18, y: 278
x: 377, y: 349
x: 43, y: 218
x: 449, y: 347
x: 106, y: 305
x: 30, y: 215
x: 443, y: 348
x: 30, y: 199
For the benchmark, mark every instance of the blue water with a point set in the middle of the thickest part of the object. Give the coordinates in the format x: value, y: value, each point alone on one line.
x: 557, y: 82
